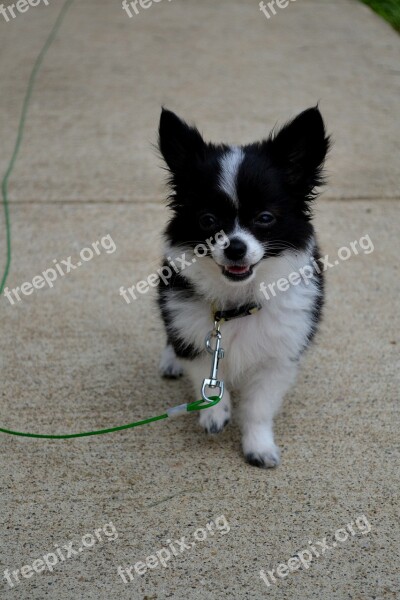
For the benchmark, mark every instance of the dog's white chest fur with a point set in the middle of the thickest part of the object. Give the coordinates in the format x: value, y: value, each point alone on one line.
x: 277, y: 333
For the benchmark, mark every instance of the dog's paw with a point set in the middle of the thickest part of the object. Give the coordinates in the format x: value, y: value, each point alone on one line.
x: 215, y: 419
x: 260, y: 450
x: 265, y: 460
x: 169, y: 364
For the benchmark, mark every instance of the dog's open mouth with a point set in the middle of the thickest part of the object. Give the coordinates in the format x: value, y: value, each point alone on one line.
x: 237, y: 272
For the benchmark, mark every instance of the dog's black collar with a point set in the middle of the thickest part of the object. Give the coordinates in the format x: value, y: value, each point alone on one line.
x: 222, y: 316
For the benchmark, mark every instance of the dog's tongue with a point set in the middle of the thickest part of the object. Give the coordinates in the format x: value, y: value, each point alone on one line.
x: 237, y: 270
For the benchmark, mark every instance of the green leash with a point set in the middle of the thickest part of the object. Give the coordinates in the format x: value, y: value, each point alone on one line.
x: 176, y: 410
x: 21, y: 126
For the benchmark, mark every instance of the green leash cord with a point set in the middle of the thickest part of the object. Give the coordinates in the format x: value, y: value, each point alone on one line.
x: 176, y: 410
x: 21, y: 126
x: 182, y: 408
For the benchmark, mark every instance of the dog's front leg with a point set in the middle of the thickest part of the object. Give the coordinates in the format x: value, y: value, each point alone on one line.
x: 261, y: 396
x: 215, y: 418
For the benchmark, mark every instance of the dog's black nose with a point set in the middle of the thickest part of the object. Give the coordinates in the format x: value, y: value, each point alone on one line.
x: 236, y: 250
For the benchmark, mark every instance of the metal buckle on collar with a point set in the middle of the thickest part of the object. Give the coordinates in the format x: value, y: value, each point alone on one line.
x: 218, y: 354
x: 216, y: 351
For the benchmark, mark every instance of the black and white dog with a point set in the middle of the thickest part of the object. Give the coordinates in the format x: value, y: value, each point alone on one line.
x: 260, y: 196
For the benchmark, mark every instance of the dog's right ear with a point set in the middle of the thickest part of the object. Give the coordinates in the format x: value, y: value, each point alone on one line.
x: 179, y: 143
x: 300, y: 148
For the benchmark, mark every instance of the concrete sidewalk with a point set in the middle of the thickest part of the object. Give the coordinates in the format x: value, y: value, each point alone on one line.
x: 77, y: 357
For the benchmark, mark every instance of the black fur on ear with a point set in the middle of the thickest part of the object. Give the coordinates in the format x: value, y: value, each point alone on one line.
x: 179, y: 143
x: 300, y: 148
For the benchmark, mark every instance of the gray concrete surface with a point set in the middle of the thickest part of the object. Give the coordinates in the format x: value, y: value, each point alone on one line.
x: 78, y: 357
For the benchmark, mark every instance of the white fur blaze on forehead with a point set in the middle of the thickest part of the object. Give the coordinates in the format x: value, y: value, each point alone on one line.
x: 230, y: 164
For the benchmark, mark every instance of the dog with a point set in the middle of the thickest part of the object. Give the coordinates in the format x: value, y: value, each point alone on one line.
x: 260, y: 196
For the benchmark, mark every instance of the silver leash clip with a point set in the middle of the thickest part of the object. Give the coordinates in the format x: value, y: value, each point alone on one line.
x: 217, y: 353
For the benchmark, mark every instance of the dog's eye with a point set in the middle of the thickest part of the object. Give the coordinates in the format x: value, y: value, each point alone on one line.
x: 207, y: 221
x: 265, y: 219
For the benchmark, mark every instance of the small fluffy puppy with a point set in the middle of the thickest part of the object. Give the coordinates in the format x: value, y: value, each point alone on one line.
x: 260, y: 197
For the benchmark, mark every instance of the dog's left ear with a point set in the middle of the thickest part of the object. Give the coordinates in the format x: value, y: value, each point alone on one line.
x: 300, y: 148
x: 180, y: 144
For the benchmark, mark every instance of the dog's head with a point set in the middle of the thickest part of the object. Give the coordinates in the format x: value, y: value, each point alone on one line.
x: 259, y: 195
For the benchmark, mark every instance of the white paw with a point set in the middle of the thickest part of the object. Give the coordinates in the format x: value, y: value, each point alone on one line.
x: 259, y: 448
x: 214, y: 419
x: 169, y: 364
